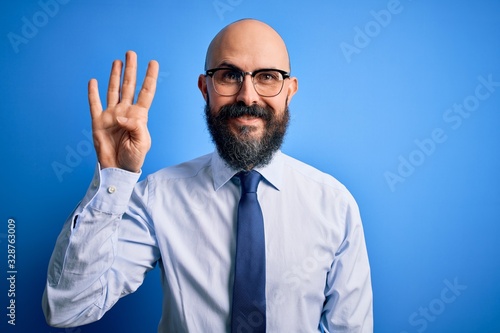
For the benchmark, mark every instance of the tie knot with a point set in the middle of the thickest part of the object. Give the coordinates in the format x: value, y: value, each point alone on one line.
x: 249, y: 181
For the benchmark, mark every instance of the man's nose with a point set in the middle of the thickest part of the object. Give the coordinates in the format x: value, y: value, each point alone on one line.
x: 247, y: 93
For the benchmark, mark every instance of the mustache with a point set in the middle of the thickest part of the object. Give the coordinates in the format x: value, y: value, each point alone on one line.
x: 237, y: 110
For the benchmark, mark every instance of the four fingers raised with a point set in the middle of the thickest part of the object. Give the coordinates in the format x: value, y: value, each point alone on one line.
x: 127, y: 88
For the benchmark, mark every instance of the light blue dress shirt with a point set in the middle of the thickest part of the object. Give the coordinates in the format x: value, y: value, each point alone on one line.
x: 183, y: 218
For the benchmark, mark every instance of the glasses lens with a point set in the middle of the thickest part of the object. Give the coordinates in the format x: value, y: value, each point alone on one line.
x: 227, y: 81
x: 268, y: 83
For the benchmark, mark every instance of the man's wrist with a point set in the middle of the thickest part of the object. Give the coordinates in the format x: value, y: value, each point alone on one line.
x: 111, y: 189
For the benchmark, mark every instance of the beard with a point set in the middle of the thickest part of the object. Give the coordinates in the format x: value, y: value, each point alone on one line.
x: 241, y: 150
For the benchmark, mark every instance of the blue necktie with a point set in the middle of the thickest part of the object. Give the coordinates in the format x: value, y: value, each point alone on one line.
x: 249, y: 299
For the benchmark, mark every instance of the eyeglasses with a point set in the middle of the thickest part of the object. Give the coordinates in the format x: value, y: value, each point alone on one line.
x: 228, y: 81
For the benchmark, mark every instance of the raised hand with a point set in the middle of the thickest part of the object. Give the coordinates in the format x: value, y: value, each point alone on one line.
x: 120, y: 133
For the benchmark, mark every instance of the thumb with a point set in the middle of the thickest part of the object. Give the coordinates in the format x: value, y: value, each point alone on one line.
x: 135, y: 127
x: 127, y: 124
x: 122, y: 121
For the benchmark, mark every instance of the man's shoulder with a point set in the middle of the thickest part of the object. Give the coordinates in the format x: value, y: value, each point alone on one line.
x: 311, y: 174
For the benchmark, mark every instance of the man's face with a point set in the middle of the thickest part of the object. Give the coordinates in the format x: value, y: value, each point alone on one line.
x: 247, y: 125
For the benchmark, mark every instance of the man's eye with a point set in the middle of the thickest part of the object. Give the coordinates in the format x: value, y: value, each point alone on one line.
x: 231, y: 76
x: 267, y: 77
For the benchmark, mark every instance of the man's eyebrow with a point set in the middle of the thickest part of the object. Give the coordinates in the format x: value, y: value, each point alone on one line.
x: 225, y: 64
x: 229, y: 65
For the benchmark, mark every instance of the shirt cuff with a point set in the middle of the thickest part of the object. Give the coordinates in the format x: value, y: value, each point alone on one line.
x: 110, y: 190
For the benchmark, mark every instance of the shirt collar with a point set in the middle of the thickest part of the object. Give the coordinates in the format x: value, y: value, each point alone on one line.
x: 272, y: 172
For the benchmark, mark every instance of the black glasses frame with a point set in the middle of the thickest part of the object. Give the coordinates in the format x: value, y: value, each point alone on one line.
x: 285, y: 74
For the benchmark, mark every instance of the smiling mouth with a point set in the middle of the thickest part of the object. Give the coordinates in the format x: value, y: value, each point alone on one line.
x: 247, y: 120
x: 246, y: 125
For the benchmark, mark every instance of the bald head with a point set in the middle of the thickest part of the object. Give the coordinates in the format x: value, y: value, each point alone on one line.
x: 253, y: 44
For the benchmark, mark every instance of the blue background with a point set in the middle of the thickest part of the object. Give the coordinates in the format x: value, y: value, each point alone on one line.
x: 372, y: 90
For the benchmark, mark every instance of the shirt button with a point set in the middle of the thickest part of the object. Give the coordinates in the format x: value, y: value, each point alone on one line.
x: 95, y: 183
x: 111, y: 189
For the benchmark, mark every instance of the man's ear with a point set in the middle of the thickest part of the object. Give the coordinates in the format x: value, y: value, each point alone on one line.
x: 202, y: 85
x: 292, y: 88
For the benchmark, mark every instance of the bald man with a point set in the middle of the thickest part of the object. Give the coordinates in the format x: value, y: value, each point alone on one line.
x: 307, y: 268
